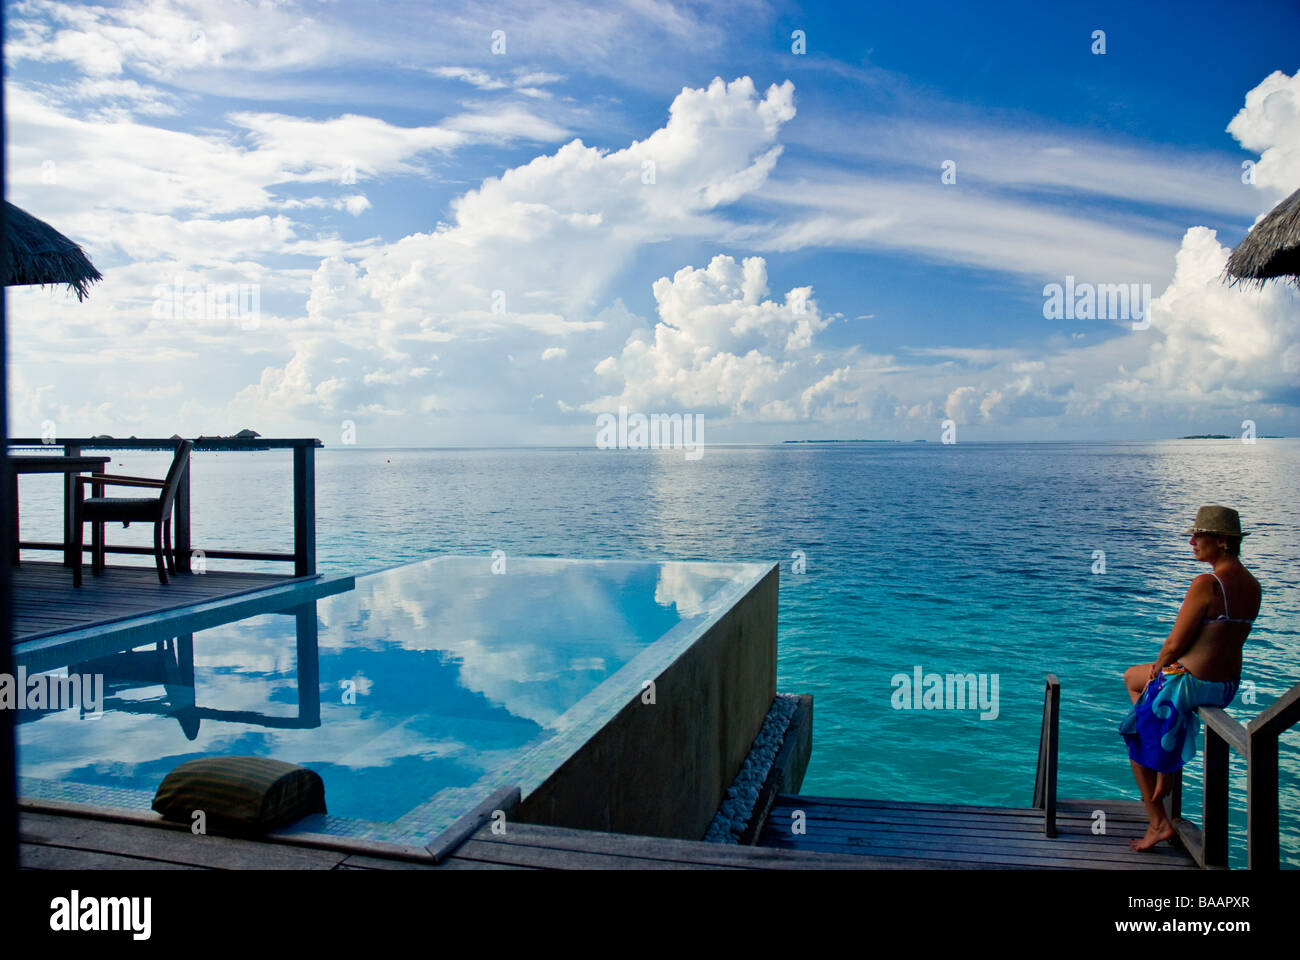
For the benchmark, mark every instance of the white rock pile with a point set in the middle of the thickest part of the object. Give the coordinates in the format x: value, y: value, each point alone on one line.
x: 738, y: 807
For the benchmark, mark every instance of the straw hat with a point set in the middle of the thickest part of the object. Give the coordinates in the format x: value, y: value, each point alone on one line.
x: 1215, y: 519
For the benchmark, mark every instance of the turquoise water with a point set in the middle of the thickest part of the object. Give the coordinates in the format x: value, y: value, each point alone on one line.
x: 412, y: 695
x: 970, y: 558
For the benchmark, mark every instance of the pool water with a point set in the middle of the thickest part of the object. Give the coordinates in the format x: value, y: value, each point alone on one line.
x: 412, y: 695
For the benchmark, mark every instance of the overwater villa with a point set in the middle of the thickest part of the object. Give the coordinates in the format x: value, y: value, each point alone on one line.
x: 471, y: 711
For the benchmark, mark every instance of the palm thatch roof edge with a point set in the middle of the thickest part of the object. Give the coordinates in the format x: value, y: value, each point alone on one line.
x: 1271, y: 249
x: 36, y: 253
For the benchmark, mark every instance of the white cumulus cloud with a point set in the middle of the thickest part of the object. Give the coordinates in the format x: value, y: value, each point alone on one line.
x: 1269, y: 123
x: 720, y: 342
x: 1216, y: 344
x: 541, y: 244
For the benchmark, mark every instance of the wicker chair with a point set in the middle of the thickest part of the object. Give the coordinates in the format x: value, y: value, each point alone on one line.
x: 99, y: 509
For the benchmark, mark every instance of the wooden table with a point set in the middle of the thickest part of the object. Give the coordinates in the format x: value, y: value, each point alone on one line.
x: 70, y: 467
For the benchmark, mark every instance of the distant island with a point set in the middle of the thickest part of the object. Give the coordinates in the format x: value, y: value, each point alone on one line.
x: 848, y: 441
x: 244, y: 434
x: 1228, y: 436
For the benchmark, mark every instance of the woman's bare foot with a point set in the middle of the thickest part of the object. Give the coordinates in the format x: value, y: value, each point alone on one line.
x: 1161, y: 789
x: 1154, y: 835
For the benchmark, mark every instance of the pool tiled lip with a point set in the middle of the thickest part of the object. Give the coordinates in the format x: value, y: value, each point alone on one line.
x: 573, y: 729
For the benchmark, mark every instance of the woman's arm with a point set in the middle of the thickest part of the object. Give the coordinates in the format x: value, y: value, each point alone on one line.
x: 1190, y: 615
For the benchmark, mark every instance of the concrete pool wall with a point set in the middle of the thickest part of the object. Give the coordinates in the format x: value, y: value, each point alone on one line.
x: 662, y: 769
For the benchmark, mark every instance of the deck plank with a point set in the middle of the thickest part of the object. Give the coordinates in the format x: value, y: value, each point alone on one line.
x: 168, y: 844
x: 1075, y: 809
x: 1069, y: 824
x: 970, y: 860
x: 362, y: 862
x: 560, y: 859
x: 926, y: 817
x: 38, y: 857
x: 1126, y: 807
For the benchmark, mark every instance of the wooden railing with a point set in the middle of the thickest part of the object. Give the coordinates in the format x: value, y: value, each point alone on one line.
x: 303, y: 557
x: 1257, y: 742
x: 1208, y: 844
x: 1048, y: 744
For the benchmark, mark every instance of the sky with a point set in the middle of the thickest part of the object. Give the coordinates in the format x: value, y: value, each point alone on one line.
x: 403, y: 223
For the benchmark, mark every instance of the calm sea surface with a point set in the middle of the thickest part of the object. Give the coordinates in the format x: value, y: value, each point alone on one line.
x: 965, y: 558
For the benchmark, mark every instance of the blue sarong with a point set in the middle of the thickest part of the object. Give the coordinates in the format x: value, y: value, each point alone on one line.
x: 1162, y: 727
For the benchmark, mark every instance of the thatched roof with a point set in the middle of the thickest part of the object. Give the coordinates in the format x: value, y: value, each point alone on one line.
x: 1272, y: 248
x: 34, y: 252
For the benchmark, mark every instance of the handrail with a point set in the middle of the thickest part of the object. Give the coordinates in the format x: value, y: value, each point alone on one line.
x: 304, y: 494
x: 1258, y: 743
x: 1217, y: 720
x: 166, y: 443
x: 1279, y: 716
x: 1048, y: 746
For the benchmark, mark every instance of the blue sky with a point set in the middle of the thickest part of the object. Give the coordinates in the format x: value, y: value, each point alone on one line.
x: 456, y: 239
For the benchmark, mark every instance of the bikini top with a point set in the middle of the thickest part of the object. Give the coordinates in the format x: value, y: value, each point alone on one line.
x: 1223, y: 617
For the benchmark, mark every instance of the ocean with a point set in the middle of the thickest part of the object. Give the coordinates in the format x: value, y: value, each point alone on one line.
x: 1004, y: 560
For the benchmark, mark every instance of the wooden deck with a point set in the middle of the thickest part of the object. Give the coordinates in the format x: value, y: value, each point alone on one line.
x: 59, y: 841
x: 45, y: 601
x: 842, y: 835
x: 970, y: 837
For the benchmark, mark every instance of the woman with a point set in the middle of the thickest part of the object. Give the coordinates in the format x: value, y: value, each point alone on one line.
x: 1199, y: 665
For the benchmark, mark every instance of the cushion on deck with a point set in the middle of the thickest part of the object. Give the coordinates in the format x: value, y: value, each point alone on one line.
x: 241, y: 793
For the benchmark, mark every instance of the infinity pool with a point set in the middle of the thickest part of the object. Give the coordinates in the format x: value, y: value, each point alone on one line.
x: 412, y: 695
